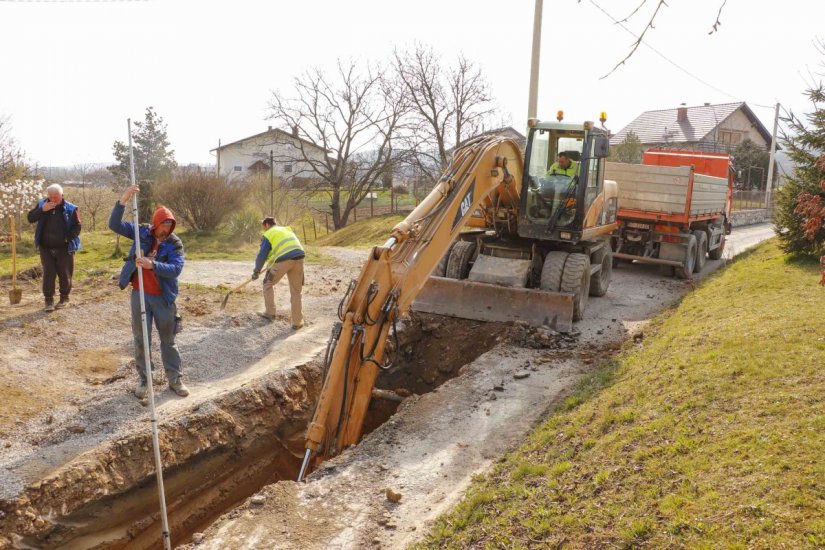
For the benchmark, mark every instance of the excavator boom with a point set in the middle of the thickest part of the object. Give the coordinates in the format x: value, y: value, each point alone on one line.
x: 482, y: 182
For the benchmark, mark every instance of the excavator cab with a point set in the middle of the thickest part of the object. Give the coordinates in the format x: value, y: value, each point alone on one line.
x: 557, y: 203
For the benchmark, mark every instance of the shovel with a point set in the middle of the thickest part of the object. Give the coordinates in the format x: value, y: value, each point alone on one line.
x: 15, y: 294
x: 236, y: 289
x: 243, y: 284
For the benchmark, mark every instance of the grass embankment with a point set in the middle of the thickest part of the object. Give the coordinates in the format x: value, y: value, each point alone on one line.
x: 707, y: 434
x: 363, y: 234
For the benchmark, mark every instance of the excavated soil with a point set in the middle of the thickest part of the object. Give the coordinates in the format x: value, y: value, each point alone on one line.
x: 76, y: 466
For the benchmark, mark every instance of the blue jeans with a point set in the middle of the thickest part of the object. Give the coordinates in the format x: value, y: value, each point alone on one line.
x: 164, y: 317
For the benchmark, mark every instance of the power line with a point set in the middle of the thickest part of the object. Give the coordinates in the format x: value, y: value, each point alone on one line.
x: 663, y: 56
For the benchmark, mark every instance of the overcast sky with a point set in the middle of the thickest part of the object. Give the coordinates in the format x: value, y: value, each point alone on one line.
x: 73, y: 72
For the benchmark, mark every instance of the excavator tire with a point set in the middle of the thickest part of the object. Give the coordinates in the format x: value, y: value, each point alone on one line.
x: 552, y: 270
x: 600, y: 281
x: 441, y: 268
x: 458, y: 265
x: 701, y: 250
x: 576, y: 280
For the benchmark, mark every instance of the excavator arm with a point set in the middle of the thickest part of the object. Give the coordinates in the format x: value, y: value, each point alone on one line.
x: 483, y: 184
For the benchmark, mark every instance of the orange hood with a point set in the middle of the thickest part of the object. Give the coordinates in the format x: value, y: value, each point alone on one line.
x: 161, y: 215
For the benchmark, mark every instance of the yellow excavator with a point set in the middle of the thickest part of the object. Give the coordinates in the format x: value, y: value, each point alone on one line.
x: 538, y: 244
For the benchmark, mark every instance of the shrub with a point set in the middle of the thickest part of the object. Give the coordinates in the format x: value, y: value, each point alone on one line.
x: 245, y: 225
x: 201, y: 200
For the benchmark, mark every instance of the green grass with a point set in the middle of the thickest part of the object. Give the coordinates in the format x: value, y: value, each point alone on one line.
x: 96, y: 254
x: 363, y: 233
x: 707, y: 434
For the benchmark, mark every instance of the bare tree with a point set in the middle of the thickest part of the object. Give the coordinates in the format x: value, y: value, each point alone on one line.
x: 95, y: 192
x: 12, y: 159
x: 343, y: 126
x: 449, y: 105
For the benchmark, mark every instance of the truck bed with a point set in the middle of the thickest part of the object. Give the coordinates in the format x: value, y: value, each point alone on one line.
x: 664, y: 189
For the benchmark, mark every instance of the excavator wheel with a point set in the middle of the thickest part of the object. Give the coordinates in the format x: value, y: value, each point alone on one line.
x: 552, y: 270
x: 441, y: 268
x: 600, y: 281
x: 458, y: 265
x: 576, y: 280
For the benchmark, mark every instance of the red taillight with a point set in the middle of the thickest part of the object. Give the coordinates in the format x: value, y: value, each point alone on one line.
x: 667, y: 229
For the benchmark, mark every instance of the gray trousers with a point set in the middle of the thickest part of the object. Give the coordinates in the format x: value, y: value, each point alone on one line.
x: 163, y: 315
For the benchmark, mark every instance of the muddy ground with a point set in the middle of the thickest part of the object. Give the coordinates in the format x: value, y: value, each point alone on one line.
x: 75, y: 460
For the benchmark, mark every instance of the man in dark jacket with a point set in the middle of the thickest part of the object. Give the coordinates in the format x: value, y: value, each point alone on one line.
x: 161, y: 263
x: 57, y: 237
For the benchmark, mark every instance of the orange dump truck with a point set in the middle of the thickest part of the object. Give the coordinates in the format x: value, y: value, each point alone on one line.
x: 674, y: 209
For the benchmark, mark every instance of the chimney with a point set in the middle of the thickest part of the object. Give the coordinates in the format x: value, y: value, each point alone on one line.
x: 681, y: 113
x: 294, y: 131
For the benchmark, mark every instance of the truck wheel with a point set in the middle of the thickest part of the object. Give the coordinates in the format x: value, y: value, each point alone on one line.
x: 552, y: 270
x: 601, y: 279
x: 458, y: 266
x: 576, y: 280
x: 441, y: 268
x: 685, y: 271
x: 701, y: 250
x: 716, y: 253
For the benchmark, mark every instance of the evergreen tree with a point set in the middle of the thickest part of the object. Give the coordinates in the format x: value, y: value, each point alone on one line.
x: 630, y: 150
x: 154, y: 161
x: 750, y: 162
x: 799, y: 214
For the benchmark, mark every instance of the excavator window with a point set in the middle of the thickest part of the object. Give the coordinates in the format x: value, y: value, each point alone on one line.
x: 552, y: 196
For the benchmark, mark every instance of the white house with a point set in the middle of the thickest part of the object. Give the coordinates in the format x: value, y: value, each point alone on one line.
x: 717, y: 128
x: 251, y: 155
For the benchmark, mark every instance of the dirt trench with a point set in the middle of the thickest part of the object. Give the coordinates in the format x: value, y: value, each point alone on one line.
x: 219, y: 453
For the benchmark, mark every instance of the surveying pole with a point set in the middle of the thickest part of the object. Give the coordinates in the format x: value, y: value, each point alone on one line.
x: 167, y: 544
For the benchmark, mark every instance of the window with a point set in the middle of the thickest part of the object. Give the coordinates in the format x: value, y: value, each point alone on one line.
x: 238, y: 168
x: 729, y: 137
x: 287, y: 168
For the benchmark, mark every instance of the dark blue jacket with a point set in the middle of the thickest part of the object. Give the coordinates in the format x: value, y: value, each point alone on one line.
x: 70, y: 219
x: 168, y: 261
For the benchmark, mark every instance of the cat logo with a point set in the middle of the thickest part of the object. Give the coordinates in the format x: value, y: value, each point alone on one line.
x: 465, y: 206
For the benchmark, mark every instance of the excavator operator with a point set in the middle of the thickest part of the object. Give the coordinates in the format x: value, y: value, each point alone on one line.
x: 564, y: 166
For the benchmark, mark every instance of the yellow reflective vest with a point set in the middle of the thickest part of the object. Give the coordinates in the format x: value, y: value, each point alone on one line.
x: 571, y: 171
x: 282, y: 240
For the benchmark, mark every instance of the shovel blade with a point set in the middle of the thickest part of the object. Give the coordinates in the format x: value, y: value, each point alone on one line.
x: 489, y: 302
x: 15, y: 295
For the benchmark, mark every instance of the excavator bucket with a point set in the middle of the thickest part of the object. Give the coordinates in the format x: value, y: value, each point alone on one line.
x: 488, y: 302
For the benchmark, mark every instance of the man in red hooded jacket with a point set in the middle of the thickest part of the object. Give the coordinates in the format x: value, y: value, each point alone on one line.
x: 161, y: 263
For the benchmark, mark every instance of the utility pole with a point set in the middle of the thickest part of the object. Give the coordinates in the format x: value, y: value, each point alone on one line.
x: 769, y: 184
x: 271, y: 185
x: 532, y: 103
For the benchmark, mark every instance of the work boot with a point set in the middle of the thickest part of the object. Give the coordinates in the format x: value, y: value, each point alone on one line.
x: 141, y: 390
x: 64, y: 301
x: 49, y: 305
x: 179, y: 387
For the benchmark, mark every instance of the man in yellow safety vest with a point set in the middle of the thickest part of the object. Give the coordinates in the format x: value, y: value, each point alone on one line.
x: 565, y: 166
x: 280, y: 245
